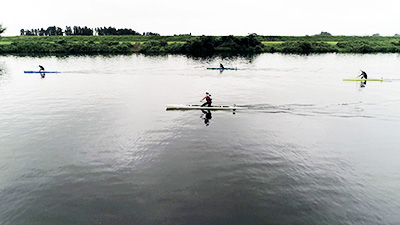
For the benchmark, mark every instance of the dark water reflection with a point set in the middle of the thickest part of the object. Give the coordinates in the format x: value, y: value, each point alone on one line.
x: 95, y: 145
x: 224, y: 56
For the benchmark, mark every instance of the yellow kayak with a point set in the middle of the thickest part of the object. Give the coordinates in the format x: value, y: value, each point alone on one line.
x: 358, y: 79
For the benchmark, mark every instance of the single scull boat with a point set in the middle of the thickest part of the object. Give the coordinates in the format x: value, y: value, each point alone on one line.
x: 216, y: 107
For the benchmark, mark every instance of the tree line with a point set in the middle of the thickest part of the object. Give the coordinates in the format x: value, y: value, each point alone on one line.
x: 197, y: 45
x: 82, y: 31
x: 206, y: 45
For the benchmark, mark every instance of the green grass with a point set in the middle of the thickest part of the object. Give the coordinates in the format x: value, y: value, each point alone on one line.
x: 272, y: 42
x: 332, y: 42
x: 178, y: 42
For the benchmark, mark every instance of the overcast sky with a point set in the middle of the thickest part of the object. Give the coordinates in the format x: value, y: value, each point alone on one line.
x: 209, y: 17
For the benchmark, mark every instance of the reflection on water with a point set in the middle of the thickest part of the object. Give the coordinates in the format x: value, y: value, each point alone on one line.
x: 95, y: 145
x: 2, y: 68
x: 3, y: 73
x: 206, y: 116
x: 226, y: 57
x: 363, y: 84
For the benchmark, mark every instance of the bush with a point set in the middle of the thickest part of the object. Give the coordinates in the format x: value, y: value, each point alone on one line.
x: 303, y: 47
x: 203, y: 44
x: 367, y: 46
x: 154, y: 46
x: 207, y: 44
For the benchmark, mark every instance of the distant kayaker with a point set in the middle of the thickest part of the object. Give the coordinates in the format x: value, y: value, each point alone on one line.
x: 41, y: 71
x: 363, y: 75
x: 208, y: 100
x: 221, y: 66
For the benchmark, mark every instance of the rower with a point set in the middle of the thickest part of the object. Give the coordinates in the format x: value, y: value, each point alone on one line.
x: 221, y: 66
x: 208, y: 100
x: 363, y: 75
x: 41, y: 68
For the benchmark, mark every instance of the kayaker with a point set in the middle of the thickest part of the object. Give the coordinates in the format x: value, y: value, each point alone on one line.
x: 363, y: 75
x: 208, y: 100
x: 41, y: 71
x: 221, y: 66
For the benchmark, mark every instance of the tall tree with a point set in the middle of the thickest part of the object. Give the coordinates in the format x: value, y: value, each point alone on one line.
x: 59, y: 31
x: 42, y: 32
x: 68, y: 31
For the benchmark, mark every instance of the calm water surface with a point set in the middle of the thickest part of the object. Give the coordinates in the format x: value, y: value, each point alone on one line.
x: 95, y: 145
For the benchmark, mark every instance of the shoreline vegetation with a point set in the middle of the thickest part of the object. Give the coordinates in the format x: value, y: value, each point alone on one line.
x: 197, y: 45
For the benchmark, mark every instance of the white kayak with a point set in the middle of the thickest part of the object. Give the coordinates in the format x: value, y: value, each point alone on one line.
x: 214, y: 107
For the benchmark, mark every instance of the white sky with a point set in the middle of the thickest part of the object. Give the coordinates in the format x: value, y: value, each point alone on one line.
x: 208, y: 17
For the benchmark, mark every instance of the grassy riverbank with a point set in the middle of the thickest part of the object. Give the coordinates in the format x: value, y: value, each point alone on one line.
x: 198, y: 44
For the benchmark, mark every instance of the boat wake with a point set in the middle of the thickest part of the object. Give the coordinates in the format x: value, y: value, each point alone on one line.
x: 342, y: 110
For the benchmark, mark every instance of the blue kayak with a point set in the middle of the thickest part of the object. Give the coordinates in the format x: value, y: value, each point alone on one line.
x: 41, y: 72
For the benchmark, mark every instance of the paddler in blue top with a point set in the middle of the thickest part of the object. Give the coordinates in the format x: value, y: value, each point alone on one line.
x: 208, y: 100
x: 363, y: 75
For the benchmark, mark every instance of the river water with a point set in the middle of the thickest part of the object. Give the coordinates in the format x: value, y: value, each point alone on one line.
x: 95, y: 145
